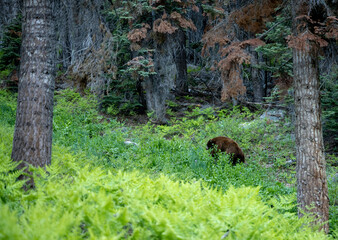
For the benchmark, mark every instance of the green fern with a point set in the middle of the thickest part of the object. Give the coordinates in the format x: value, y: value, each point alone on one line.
x: 10, y: 187
x: 96, y: 204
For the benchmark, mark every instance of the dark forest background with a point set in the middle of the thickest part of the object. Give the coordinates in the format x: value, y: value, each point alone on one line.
x: 141, y: 56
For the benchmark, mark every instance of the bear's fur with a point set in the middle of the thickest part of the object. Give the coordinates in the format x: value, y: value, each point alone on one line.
x: 225, y: 144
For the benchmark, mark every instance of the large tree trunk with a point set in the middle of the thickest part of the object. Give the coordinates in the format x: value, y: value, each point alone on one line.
x: 311, y: 175
x: 83, y: 41
x: 32, y: 142
x: 158, y: 86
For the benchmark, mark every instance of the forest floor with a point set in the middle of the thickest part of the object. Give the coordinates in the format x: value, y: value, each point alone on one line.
x: 86, y: 140
x: 181, y: 106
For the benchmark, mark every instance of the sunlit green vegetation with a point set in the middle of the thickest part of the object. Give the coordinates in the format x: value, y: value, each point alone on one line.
x: 164, y: 185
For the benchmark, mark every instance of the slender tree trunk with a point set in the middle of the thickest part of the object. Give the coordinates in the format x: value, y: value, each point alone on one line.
x: 181, y: 62
x: 257, y: 83
x: 141, y: 95
x: 312, y: 192
x: 156, y: 95
x: 32, y: 142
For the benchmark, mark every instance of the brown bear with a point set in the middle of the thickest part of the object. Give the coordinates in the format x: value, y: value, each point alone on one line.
x: 225, y: 144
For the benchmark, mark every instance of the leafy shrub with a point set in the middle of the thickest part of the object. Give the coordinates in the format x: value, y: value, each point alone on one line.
x: 77, y: 201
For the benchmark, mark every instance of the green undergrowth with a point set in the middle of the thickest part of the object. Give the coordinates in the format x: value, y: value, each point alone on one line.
x: 75, y: 200
x: 7, y: 108
x: 178, y: 150
x: 10, y: 188
x: 90, y: 153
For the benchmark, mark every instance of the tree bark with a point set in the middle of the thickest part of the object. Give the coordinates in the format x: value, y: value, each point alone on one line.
x: 158, y: 86
x: 312, y: 191
x: 181, y: 62
x: 32, y: 143
x: 257, y: 83
x: 311, y: 173
x: 156, y: 95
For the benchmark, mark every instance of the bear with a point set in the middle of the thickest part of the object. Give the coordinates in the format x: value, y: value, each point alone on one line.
x: 225, y: 144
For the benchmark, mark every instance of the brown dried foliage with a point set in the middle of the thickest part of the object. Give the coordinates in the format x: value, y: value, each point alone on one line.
x: 305, y: 40
x: 233, y: 56
x: 332, y: 27
x: 255, y: 42
x: 195, y: 8
x: 232, y: 83
x: 313, y: 32
x: 182, y: 22
x: 215, y: 36
x: 284, y: 83
x: 233, y: 53
x: 230, y: 68
x: 14, y: 77
x: 138, y: 34
x: 163, y: 26
x: 253, y: 17
x: 138, y: 64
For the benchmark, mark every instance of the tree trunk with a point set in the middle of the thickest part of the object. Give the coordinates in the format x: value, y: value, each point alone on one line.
x: 34, y: 118
x: 156, y: 95
x: 181, y: 62
x: 257, y: 83
x: 158, y: 86
x: 83, y: 40
x: 312, y: 188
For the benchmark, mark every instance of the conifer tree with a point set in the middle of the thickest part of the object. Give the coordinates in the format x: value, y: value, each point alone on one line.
x: 310, y: 24
x: 32, y: 143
